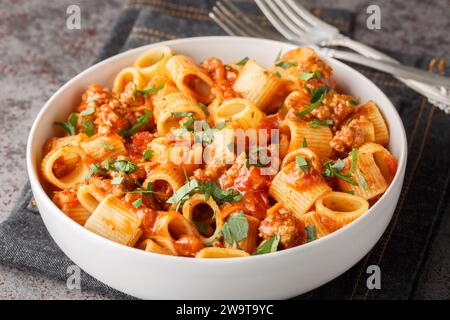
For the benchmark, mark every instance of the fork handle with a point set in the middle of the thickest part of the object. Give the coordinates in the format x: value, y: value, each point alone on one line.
x: 437, y: 96
x: 395, y: 69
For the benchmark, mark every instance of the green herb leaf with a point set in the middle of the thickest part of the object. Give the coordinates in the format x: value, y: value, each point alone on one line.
x: 278, y: 74
x: 332, y: 170
x: 148, y: 190
x: 306, y: 75
x: 87, y: 112
x: 354, y: 157
x: 268, y: 246
x: 71, y: 125
x: 363, y: 182
x: 141, y: 122
x: 148, y: 89
x: 200, y: 227
x: 116, y: 180
x: 122, y: 166
x: 278, y: 57
x: 317, y: 96
x: 137, y: 203
x: 182, y: 114
x: 302, y: 163
x: 89, y: 128
x: 221, y: 125
x: 353, y: 102
x: 148, y: 154
x: 286, y: 64
x: 305, y: 143
x: 107, y: 146
x: 310, y: 233
x: 204, y: 108
x: 317, y: 123
x: 235, y: 228
x: 242, y: 62
x: 95, y: 168
x: 318, y: 74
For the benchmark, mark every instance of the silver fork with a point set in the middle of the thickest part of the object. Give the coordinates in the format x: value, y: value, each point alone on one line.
x: 295, y: 22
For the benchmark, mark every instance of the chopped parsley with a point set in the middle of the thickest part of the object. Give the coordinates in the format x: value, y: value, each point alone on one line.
x: 148, y: 190
x: 268, y: 246
x: 87, y: 112
x: 235, y: 228
x: 116, y: 180
x: 148, y: 154
x: 332, y: 169
x: 317, y: 96
x: 204, y: 108
x: 278, y: 57
x: 354, y: 157
x: 242, y: 62
x: 286, y: 64
x: 141, y: 122
x: 200, y: 227
x: 363, y: 182
x: 148, y: 89
x: 309, y: 75
x: 120, y: 166
x: 302, y: 163
x: 89, y: 129
x: 208, y: 188
x: 71, y: 125
x: 304, y: 143
x: 137, y: 203
x: 95, y: 168
x: 107, y: 146
x: 317, y: 123
x: 310, y: 233
x: 353, y: 102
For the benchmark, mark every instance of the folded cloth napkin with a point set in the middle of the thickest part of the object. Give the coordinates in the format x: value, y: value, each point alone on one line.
x: 403, y: 251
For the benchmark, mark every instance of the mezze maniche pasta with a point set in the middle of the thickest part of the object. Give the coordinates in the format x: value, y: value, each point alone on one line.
x: 214, y: 160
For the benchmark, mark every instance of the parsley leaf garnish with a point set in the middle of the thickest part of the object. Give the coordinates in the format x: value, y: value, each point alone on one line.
x: 148, y: 154
x: 71, y: 125
x: 148, y: 89
x: 317, y: 96
x: 87, y: 112
x: 309, y: 75
x: 302, y: 163
x: 317, y: 123
x: 137, y: 203
x: 235, y: 228
x: 278, y: 57
x: 310, y: 233
x: 107, y: 146
x: 204, y: 108
x: 354, y: 156
x: 353, y: 102
x: 242, y: 62
x: 89, y: 128
x: 332, y: 169
x: 363, y: 182
x: 268, y: 246
x: 304, y: 143
x: 286, y: 64
x: 141, y: 122
x: 95, y: 168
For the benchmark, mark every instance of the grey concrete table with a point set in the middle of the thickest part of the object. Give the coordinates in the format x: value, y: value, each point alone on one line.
x: 38, y: 54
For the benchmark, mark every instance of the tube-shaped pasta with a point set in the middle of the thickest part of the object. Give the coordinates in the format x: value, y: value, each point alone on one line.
x: 371, y: 176
x: 172, y: 103
x: 338, y: 209
x: 160, y: 150
x: 169, y: 227
x: 212, y: 252
x: 89, y: 197
x: 67, y: 161
x: 150, y: 245
x: 239, y: 111
x: 153, y: 62
x: 304, y: 152
x: 77, y: 174
x: 258, y: 85
x: 298, y: 201
x: 73, y: 209
x: 114, y: 221
x: 104, y: 147
x: 190, y: 78
x: 204, y: 213
x: 126, y: 76
x: 317, y: 139
x: 166, y: 179
x: 312, y: 218
x: 223, y: 146
x: 380, y: 128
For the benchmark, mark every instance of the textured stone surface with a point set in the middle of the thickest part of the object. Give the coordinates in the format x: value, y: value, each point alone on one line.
x: 38, y: 54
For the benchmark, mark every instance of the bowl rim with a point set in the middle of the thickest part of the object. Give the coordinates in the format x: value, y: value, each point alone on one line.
x: 58, y: 214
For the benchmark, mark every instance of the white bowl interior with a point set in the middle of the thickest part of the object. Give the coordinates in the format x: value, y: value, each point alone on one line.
x: 227, y: 49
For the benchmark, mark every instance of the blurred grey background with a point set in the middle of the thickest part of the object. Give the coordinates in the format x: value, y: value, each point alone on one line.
x: 38, y: 54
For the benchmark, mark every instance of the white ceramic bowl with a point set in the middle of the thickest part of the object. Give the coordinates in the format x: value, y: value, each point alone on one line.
x: 282, y: 274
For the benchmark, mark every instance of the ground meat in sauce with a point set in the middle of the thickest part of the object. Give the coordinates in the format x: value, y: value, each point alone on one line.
x: 350, y: 136
x: 224, y: 77
x: 291, y: 230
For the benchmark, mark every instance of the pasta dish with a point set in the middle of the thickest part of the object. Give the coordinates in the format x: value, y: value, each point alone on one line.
x: 218, y: 160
